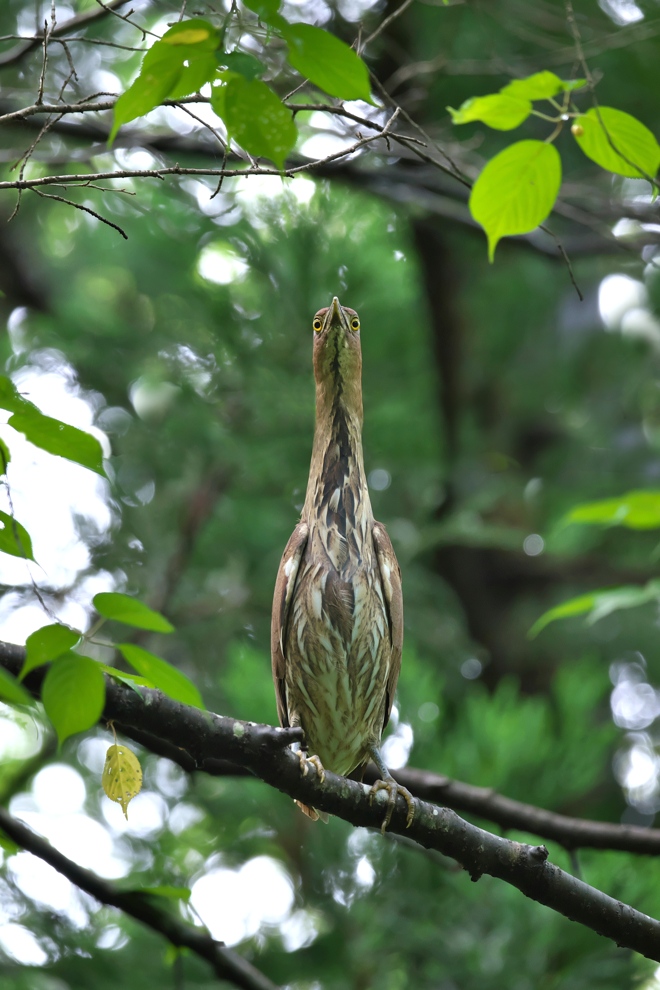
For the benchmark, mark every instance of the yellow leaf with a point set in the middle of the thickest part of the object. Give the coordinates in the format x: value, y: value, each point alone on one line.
x: 122, y: 776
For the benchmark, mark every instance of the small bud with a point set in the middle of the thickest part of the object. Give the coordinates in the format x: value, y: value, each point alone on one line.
x: 577, y: 130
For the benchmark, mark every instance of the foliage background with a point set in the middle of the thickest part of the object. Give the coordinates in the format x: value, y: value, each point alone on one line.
x: 494, y: 401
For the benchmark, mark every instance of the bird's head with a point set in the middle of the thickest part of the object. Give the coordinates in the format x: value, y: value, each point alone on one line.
x: 337, y: 350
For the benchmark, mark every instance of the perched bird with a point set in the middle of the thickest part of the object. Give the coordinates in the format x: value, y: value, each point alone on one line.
x: 337, y: 625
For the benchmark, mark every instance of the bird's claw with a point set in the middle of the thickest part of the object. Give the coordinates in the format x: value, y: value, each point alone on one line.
x: 393, y: 790
x: 316, y: 763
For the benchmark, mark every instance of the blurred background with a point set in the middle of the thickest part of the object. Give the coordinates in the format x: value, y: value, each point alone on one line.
x: 495, y: 400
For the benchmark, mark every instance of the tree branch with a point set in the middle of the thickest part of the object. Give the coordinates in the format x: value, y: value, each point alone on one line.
x: 16, y: 53
x: 484, y: 802
x: 264, y: 751
x: 227, y: 964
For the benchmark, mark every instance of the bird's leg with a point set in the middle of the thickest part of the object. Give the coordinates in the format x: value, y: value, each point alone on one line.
x: 305, y: 760
x: 389, y: 784
x: 301, y: 753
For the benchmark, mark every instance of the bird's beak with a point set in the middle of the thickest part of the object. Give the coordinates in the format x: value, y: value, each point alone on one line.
x: 335, y: 318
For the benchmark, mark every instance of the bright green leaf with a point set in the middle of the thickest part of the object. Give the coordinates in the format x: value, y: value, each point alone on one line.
x: 539, y: 86
x: 130, y: 611
x: 5, y: 457
x: 10, y: 398
x: 499, y: 111
x: 599, y: 604
x: 167, y: 678
x: 131, y: 680
x: 516, y: 190
x: 48, y: 643
x: 14, y: 538
x: 570, y: 84
x: 246, y: 65
x: 59, y: 438
x: 196, y: 74
x: 327, y: 62
x: 9, y: 846
x: 147, y: 92
x: 635, y: 510
x: 163, y: 73
x: 73, y: 694
x: 574, y: 606
x: 631, y: 148
x: 256, y: 118
x: 12, y: 691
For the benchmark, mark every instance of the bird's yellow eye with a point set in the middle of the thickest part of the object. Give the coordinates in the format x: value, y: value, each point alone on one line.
x: 355, y: 323
x: 317, y: 324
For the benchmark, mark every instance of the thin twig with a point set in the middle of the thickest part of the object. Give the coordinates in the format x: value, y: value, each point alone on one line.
x: 384, y: 24
x: 227, y: 965
x: 79, y: 21
x: 85, y: 209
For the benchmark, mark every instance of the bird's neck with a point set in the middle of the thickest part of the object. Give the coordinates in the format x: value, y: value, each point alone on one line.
x: 337, y: 492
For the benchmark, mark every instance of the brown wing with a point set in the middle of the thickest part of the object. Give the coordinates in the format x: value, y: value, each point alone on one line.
x: 284, y: 585
x: 390, y: 575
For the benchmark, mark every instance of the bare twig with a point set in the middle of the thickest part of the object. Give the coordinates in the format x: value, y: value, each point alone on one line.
x: 384, y: 24
x: 15, y: 54
x: 227, y: 965
x: 85, y: 209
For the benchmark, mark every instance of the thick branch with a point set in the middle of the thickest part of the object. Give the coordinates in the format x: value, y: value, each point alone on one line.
x: 264, y: 751
x: 226, y: 964
x: 571, y: 833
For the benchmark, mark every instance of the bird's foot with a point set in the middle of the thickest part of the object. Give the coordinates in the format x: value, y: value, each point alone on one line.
x: 305, y: 761
x: 393, y: 789
x: 316, y: 763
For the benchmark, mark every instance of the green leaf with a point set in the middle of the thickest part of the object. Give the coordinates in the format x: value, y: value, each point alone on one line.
x: 599, y: 604
x: 130, y: 611
x: 635, y: 510
x: 164, y: 74
x: 631, y: 150
x: 499, y: 111
x: 167, y: 678
x: 59, y: 438
x: 539, y: 86
x: 171, y: 893
x: 14, y: 538
x: 9, y: 846
x: 12, y: 691
x: 516, y: 190
x: 5, y: 457
x: 327, y: 62
x: 256, y: 118
x: 196, y: 33
x: 246, y: 65
x: 73, y: 694
x: 131, y: 680
x: 193, y: 76
x: 46, y: 644
x: 148, y: 91
x: 571, y: 84
x: 265, y: 9
x: 10, y: 398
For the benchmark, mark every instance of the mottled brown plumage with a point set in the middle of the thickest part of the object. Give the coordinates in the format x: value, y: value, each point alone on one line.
x: 337, y: 627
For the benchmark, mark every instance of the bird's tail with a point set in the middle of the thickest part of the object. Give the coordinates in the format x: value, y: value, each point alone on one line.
x: 312, y: 813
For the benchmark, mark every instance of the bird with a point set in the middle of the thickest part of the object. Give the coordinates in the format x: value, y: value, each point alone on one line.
x: 337, y: 620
